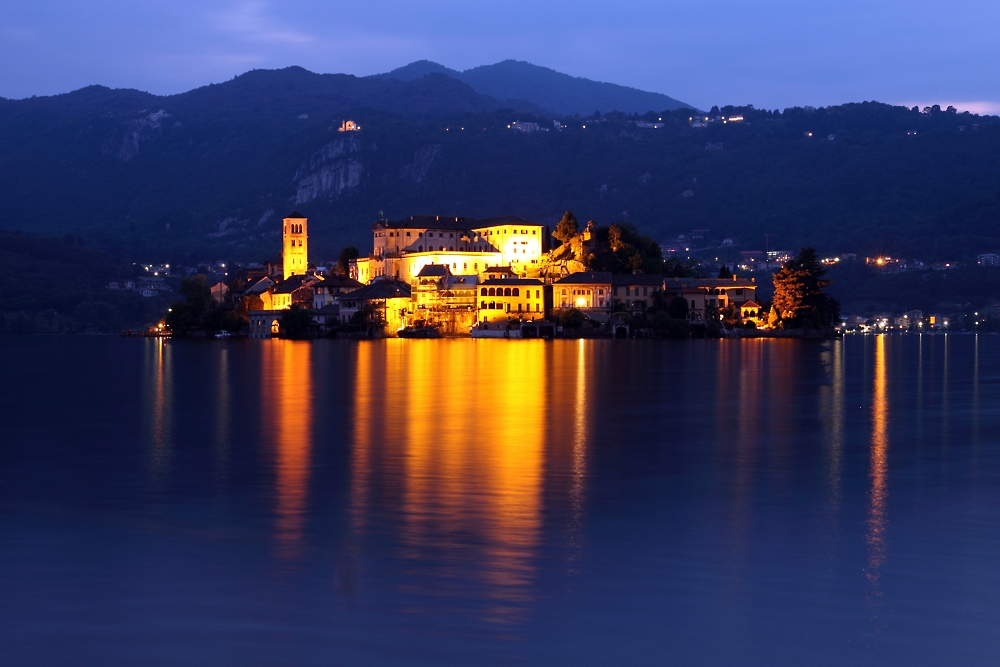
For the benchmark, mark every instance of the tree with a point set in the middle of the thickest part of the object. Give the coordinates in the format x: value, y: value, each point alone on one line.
x: 725, y: 273
x: 678, y: 308
x: 572, y: 318
x: 798, y: 292
x: 346, y: 256
x: 773, y: 320
x: 567, y: 228
x: 296, y: 323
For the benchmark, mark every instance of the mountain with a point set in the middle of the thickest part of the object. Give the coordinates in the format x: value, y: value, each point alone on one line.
x: 208, y: 174
x: 547, y: 88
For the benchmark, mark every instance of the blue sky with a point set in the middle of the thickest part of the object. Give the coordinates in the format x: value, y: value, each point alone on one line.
x: 770, y: 53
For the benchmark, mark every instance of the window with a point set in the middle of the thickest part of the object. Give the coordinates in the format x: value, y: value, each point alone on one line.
x: 506, y: 292
x: 515, y: 292
x: 484, y: 292
x: 420, y: 248
x: 493, y: 292
x: 645, y: 291
x: 483, y: 304
x: 692, y: 304
x: 465, y: 265
x: 536, y: 294
x: 519, y: 307
x: 451, y: 236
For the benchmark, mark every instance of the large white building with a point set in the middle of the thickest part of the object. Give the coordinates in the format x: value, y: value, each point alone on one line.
x: 402, y: 248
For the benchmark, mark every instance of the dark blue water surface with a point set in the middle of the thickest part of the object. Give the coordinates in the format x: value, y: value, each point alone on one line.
x: 496, y: 502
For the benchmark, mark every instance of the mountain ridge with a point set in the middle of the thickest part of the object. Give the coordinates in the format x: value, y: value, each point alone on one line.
x: 545, y: 87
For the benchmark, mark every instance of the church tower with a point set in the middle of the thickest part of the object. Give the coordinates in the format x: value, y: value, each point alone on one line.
x: 295, y: 253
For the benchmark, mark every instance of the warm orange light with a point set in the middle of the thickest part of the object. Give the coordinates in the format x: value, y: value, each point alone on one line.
x: 286, y: 407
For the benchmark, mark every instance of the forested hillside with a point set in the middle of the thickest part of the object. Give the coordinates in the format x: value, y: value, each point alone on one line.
x: 210, y: 172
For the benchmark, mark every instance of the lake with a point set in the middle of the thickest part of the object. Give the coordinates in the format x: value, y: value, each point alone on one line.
x: 430, y: 502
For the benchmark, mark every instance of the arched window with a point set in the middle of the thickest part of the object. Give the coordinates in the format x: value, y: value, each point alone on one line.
x: 484, y: 292
x: 493, y: 305
x: 274, y: 327
x: 442, y: 248
x: 515, y: 292
x: 483, y: 304
x: 420, y: 248
x: 506, y: 291
x: 493, y: 292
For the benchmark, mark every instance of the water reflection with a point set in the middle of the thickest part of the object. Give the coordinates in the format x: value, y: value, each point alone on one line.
x: 286, y: 422
x: 158, y: 408
x: 877, y: 523
x: 458, y: 432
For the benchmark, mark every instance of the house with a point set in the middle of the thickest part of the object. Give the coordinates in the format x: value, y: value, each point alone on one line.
x: 751, y: 310
x: 220, y: 291
x: 988, y: 259
x: 589, y: 291
x: 443, y: 300
x: 635, y: 292
x: 506, y: 299
x: 385, y: 304
x: 326, y: 291
x: 705, y: 295
x: 296, y: 290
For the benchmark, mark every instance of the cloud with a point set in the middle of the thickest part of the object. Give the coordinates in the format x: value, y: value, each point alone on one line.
x: 252, y: 22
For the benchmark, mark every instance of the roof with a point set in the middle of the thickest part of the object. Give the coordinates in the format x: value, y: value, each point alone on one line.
x: 328, y: 309
x: 585, y: 278
x: 749, y: 304
x: 452, y: 222
x: 498, y: 269
x: 295, y: 215
x: 339, y: 281
x: 428, y: 222
x: 288, y: 286
x: 380, y: 289
x: 505, y: 220
x: 637, y: 279
x: 512, y: 281
x: 433, y: 271
x: 704, y: 283
x: 461, y: 282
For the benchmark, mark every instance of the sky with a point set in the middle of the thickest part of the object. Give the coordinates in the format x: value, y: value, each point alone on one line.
x: 770, y: 53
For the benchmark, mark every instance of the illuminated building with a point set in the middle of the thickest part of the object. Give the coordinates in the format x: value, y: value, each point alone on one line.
x: 636, y: 292
x: 519, y: 298
x: 704, y: 294
x: 385, y: 303
x: 589, y: 291
x: 295, y: 244
x: 402, y: 248
x: 444, y: 300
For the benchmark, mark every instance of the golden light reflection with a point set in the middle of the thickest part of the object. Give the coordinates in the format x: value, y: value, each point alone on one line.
x: 287, y: 419
x: 459, y: 434
x: 158, y: 407
x: 878, y: 522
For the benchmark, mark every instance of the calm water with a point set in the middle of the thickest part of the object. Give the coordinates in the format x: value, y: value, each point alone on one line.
x: 496, y: 502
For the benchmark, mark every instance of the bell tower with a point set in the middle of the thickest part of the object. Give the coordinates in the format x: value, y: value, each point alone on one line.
x: 295, y: 252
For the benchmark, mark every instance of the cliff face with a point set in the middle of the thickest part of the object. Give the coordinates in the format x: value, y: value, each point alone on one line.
x: 330, y: 171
